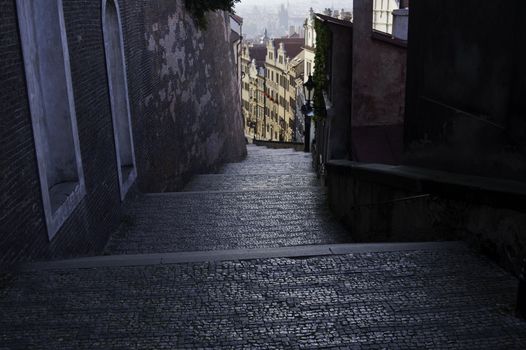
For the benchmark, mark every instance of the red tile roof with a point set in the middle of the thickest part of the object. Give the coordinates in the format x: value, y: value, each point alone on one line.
x: 293, y: 46
x: 259, y: 53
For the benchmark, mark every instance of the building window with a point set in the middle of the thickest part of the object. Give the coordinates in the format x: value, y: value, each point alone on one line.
x: 383, y: 15
x: 52, y: 106
x: 118, y: 88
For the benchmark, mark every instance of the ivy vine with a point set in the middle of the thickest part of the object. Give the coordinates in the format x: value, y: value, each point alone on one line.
x: 321, y: 82
x: 199, y: 8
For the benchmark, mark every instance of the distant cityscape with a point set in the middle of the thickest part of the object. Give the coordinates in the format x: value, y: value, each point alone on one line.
x: 281, y: 17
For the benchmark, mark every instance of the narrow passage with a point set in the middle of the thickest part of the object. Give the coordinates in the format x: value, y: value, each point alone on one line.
x: 272, y: 199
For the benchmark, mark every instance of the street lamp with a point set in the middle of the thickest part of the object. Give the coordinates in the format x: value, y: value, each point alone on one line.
x: 308, y: 91
x: 254, y: 125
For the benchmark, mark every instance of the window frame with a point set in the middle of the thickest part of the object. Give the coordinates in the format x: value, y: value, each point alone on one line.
x: 54, y: 219
x: 124, y: 184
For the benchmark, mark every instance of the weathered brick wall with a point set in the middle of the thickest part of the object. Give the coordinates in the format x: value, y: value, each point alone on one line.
x: 20, y: 210
x: 23, y: 232
x: 183, y: 93
x: 184, y: 121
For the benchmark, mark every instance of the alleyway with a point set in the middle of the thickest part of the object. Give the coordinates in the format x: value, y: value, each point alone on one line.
x: 272, y: 271
x: 272, y: 199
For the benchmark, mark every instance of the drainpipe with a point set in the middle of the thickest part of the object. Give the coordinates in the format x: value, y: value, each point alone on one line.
x: 265, y: 103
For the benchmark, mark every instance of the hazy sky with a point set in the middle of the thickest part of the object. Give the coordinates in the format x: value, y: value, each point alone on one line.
x: 295, y: 5
x: 259, y: 15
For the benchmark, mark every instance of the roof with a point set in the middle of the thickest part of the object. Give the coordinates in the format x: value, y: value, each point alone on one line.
x: 333, y: 20
x: 237, y: 18
x: 298, y: 59
x: 234, y: 36
x: 293, y: 46
x: 259, y: 53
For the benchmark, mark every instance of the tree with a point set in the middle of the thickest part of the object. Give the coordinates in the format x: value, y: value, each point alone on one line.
x: 199, y: 8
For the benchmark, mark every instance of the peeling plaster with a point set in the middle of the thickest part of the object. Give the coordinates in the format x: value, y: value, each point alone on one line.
x: 194, y: 97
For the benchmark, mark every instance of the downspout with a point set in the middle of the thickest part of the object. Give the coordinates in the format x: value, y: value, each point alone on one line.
x: 265, y: 103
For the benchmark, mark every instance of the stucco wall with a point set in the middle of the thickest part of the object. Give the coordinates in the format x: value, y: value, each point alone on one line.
x: 378, y: 74
x: 378, y: 98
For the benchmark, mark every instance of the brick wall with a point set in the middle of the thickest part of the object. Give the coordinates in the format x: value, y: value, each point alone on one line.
x: 21, y: 214
x: 23, y: 230
x: 185, y: 119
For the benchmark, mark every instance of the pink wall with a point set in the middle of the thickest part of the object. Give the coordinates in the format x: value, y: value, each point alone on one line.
x: 378, y: 97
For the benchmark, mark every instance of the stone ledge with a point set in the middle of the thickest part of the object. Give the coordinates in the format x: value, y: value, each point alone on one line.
x: 238, y: 254
x: 258, y: 190
x: 493, y: 192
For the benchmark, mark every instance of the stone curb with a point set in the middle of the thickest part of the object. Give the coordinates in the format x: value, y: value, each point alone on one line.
x: 310, y: 175
x: 282, y: 189
x: 241, y: 254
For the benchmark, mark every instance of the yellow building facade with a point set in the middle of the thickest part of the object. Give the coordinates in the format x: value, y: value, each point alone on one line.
x: 269, y: 88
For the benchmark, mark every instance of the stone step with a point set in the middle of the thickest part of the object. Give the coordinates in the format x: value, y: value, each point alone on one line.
x: 268, y: 168
x: 225, y: 182
x: 402, y: 299
x: 272, y: 158
x: 211, y: 220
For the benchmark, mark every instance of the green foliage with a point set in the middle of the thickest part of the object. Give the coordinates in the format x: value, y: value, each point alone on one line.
x: 321, y: 82
x: 199, y: 8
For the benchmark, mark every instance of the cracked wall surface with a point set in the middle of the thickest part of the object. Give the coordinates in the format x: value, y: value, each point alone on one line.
x: 183, y: 92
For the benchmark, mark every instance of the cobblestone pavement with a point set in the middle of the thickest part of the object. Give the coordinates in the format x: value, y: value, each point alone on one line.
x: 417, y: 298
x: 250, y: 182
x: 272, y: 199
x: 443, y: 299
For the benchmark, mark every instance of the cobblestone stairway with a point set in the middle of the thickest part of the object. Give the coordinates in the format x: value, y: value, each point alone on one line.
x: 272, y: 199
x: 336, y: 296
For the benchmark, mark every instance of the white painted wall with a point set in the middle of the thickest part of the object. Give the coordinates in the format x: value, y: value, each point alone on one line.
x: 310, y: 44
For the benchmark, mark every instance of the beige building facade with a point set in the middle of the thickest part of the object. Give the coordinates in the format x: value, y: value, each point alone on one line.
x: 309, y: 45
x: 269, y: 82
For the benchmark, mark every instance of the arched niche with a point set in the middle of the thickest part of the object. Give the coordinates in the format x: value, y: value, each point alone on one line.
x: 118, y: 90
x: 52, y: 106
